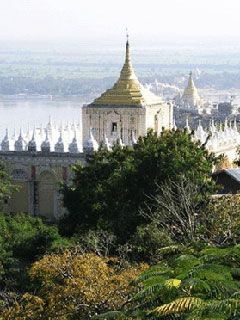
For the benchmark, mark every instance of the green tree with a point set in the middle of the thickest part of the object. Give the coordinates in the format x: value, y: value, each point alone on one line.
x: 146, y: 242
x: 113, y: 186
x: 22, y: 239
x: 222, y: 221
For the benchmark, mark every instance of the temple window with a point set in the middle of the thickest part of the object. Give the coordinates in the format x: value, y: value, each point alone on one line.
x: 114, y: 127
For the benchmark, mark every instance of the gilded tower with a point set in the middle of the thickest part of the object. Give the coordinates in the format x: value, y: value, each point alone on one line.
x: 126, y: 110
x: 190, y: 95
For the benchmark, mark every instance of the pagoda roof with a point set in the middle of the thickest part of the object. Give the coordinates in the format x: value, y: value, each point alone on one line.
x: 190, y: 90
x: 127, y: 91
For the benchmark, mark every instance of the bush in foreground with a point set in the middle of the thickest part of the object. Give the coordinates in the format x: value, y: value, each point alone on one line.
x: 75, y: 286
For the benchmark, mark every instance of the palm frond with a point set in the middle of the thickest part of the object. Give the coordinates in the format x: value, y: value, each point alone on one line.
x: 229, y: 307
x: 157, y: 270
x: 149, y: 291
x: 178, y: 306
x: 196, y: 285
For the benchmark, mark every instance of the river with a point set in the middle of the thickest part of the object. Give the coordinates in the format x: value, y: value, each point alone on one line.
x: 18, y: 113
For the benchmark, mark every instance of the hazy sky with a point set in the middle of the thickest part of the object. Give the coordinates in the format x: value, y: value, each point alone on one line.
x: 39, y: 20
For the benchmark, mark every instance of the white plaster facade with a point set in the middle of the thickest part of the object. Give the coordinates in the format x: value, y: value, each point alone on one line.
x: 116, y: 122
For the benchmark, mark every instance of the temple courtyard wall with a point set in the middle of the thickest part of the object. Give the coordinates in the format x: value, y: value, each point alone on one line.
x: 38, y: 177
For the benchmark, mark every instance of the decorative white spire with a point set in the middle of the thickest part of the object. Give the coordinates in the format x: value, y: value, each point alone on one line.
x: 120, y: 143
x: 32, y: 146
x: 20, y: 144
x: 200, y: 128
x: 5, y: 145
x: 133, y: 138
x: 225, y: 124
x: 49, y: 125
x: 212, y: 126
x: 45, y: 146
x: 91, y: 144
x: 59, y: 146
x: 106, y: 143
x: 174, y: 124
x: 200, y: 133
x: 73, y: 146
x: 187, y: 125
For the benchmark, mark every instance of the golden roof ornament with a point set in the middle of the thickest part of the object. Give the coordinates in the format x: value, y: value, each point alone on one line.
x: 190, y: 89
x: 127, y: 72
x: 127, y: 91
x: 190, y: 95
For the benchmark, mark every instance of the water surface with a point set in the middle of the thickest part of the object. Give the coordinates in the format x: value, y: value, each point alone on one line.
x: 16, y: 114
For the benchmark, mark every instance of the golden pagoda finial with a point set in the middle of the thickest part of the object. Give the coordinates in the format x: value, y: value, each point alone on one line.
x: 127, y: 34
x: 127, y: 72
x: 190, y: 80
x: 127, y: 91
x: 128, y: 58
x: 190, y: 93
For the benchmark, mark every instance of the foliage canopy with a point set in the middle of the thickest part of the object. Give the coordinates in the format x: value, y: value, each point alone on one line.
x: 75, y: 286
x: 111, y: 189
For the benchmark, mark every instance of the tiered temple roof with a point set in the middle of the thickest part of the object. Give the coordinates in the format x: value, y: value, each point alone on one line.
x: 190, y: 90
x: 127, y: 91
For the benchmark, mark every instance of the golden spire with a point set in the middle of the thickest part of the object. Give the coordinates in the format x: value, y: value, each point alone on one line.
x: 190, y: 81
x: 190, y: 89
x: 127, y: 45
x: 190, y: 94
x: 127, y: 72
x: 127, y: 91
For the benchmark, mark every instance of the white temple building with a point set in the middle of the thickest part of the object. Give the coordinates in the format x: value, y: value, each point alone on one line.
x: 126, y: 110
x: 120, y: 115
x: 190, y: 99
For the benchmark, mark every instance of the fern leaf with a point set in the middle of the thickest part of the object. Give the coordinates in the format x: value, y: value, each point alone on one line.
x: 178, y: 306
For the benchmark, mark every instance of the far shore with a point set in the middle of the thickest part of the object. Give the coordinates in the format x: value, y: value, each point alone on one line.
x: 48, y: 97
